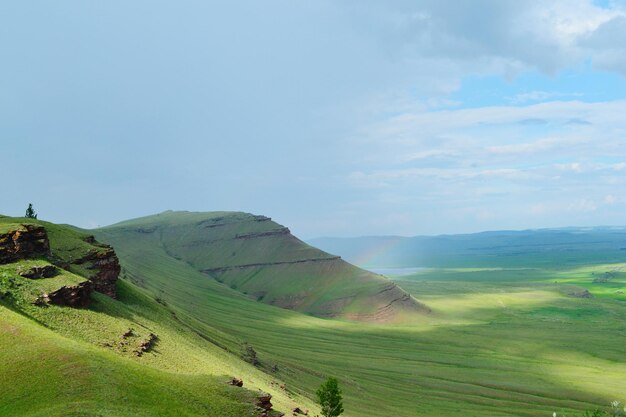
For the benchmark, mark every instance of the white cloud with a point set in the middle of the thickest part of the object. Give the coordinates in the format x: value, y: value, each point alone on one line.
x: 531, y: 96
x: 496, y: 36
x: 583, y: 205
x: 541, y: 145
x: 446, y: 159
x: 572, y: 167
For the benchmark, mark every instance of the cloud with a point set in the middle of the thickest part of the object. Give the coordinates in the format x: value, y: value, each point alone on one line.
x: 538, y: 146
x: 445, y: 158
x: 534, y: 96
x: 572, y: 167
x: 511, y: 36
x: 583, y: 205
x: 578, y: 121
x: 606, y: 45
x: 351, y: 96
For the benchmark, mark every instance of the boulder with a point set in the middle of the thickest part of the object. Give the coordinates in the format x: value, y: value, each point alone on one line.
x: 263, y: 400
x: 236, y: 382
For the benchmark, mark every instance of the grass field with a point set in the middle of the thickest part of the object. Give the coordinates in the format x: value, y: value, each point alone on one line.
x: 498, y: 342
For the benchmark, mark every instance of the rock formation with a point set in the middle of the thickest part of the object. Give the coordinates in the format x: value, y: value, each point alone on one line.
x: 38, y: 271
x: 264, y: 405
x: 236, y: 382
x: 28, y: 241
x: 73, y: 296
x: 106, y: 267
x: 146, y: 345
x: 263, y: 402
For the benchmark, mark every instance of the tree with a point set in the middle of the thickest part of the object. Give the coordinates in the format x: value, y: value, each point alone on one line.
x: 329, y: 398
x: 30, y: 213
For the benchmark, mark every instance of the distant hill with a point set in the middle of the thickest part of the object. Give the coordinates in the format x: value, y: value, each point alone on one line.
x: 263, y: 260
x: 543, y: 247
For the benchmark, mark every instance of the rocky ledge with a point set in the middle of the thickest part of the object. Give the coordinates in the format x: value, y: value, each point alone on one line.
x: 77, y: 296
x: 28, y: 241
x: 31, y: 242
x: 106, y: 267
x: 38, y: 272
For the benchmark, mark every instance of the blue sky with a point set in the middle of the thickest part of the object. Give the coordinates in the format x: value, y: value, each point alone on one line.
x: 336, y: 118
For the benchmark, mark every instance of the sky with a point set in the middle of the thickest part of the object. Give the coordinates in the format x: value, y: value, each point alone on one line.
x: 333, y: 117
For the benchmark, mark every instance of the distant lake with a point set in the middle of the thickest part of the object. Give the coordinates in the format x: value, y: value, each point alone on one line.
x: 396, y: 272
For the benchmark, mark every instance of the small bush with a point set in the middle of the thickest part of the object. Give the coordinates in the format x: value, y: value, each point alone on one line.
x: 249, y: 355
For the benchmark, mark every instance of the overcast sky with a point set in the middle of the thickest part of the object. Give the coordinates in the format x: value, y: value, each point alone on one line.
x: 335, y: 118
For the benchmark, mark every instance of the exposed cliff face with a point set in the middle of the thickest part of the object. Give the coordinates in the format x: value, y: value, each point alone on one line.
x: 106, y: 269
x: 28, y: 241
x: 95, y: 261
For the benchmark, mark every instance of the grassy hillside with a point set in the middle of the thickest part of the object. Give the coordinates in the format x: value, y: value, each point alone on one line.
x: 515, y: 344
x: 264, y: 261
x: 62, y: 361
x: 498, y: 342
x: 536, y: 248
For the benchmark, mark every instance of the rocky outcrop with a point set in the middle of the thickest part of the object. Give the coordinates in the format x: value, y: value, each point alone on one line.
x: 253, y: 235
x: 581, y: 294
x: 264, y: 405
x: 77, y: 296
x: 106, y: 267
x: 236, y: 382
x: 38, y: 272
x: 29, y: 241
x: 146, y: 345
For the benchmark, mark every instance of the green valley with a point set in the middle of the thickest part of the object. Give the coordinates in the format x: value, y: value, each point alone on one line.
x: 481, y: 342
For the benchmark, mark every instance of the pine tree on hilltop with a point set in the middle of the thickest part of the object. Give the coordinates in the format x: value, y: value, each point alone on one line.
x: 30, y: 213
x: 329, y: 398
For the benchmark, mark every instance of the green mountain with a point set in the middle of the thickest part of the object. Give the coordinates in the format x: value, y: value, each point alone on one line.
x: 263, y: 260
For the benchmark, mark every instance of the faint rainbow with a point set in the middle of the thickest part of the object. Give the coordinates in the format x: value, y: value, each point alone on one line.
x: 365, y: 258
